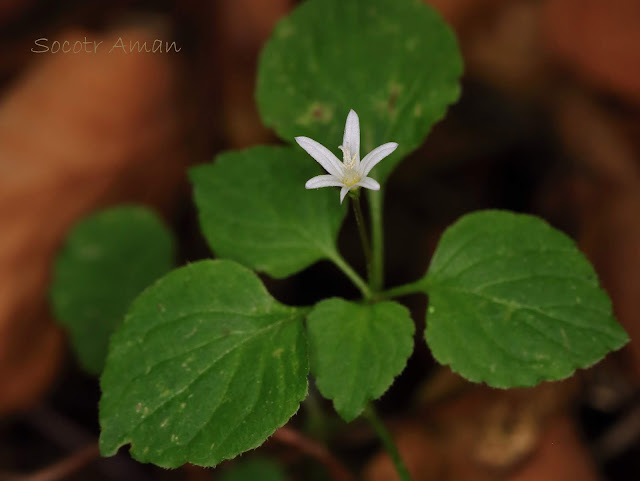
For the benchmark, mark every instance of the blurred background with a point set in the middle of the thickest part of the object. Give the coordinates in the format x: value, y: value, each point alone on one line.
x: 548, y: 123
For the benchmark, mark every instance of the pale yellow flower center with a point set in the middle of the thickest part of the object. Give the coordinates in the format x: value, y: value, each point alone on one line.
x: 351, y: 176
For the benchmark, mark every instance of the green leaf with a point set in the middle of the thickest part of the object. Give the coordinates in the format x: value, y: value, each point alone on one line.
x: 107, y: 260
x: 254, y: 209
x: 257, y: 469
x: 205, y: 366
x: 512, y: 302
x: 357, y: 350
x: 395, y: 62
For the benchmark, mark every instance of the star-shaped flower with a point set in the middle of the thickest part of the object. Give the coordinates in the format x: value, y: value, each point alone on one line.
x: 352, y: 172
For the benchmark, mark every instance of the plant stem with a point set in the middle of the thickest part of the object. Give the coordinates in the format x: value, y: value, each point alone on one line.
x: 388, y: 442
x: 362, y: 229
x: 344, y: 266
x: 377, y: 237
x: 309, y: 447
x: 406, y: 289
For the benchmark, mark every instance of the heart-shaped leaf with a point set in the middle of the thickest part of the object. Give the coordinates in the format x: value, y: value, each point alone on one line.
x: 513, y: 302
x: 254, y: 209
x: 205, y: 366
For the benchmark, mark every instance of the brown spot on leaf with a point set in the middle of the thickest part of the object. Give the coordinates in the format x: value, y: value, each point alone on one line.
x: 317, y: 113
x: 393, y: 98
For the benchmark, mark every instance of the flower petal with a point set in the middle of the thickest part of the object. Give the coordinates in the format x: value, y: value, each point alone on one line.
x: 322, y: 155
x: 323, y: 181
x: 375, y: 156
x: 368, y: 183
x: 343, y: 193
x: 351, y: 139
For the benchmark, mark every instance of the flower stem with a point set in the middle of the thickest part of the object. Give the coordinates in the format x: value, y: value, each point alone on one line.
x: 344, y: 266
x: 362, y: 229
x: 377, y: 237
x: 388, y: 442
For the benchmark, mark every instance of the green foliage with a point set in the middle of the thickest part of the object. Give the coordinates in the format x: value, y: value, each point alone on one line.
x: 254, y: 469
x: 254, y: 209
x: 205, y: 366
x: 108, y: 259
x: 395, y: 62
x: 512, y: 302
x: 357, y: 350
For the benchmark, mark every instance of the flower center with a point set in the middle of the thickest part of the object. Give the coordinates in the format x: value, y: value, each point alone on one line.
x: 351, y: 172
x: 351, y: 176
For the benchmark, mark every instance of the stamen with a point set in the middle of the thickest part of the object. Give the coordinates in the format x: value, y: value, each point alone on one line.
x: 348, y: 161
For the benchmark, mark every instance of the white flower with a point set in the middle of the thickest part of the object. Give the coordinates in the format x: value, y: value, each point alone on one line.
x: 352, y: 172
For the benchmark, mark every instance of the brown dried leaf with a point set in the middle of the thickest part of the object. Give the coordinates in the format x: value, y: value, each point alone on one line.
x: 78, y: 131
x: 600, y: 40
x: 561, y: 456
x: 481, y: 434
